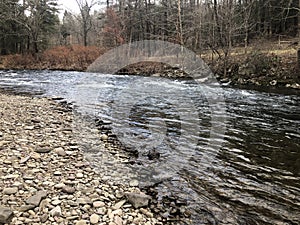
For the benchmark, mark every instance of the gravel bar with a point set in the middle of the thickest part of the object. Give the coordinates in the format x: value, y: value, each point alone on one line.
x: 45, y: 178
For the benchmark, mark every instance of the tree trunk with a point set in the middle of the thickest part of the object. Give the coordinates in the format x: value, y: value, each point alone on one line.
x: 299, y: 22
x: 298, y: 58
x: 180, y: 32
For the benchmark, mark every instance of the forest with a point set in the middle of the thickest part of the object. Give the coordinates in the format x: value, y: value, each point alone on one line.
x: 218, y: 30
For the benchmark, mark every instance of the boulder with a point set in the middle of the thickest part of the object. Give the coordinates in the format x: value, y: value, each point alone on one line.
x: 138, y: 200
x: 36, y: 199
x: 6, y: 215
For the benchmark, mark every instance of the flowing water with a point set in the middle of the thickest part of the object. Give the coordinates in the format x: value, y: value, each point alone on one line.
x: 238, y: 166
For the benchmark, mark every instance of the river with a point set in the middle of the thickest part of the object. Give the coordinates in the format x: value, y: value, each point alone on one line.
x: 238, y: 164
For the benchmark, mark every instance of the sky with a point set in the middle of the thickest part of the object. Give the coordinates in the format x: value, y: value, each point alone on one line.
x: 71, y: 6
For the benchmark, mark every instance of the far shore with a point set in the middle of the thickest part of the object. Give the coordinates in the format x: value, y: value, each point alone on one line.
x: 257, y: 68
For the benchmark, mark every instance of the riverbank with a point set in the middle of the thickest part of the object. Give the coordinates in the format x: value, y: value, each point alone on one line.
x: 274, y: 66
x: 255, y: 69
x: 45, y: 178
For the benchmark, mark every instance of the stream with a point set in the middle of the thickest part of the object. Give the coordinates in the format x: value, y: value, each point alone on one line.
x: 233, y: 162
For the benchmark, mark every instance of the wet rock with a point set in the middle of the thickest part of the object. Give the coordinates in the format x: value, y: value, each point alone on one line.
x: 138, y: 200
x: 42, y: 150
x: 36, y: 199
x: 6, y: 215
x: 153, y: 154
x: 104, y: 137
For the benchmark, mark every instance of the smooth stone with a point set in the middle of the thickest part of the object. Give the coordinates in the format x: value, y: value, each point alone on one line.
x: 118, y: 220
x: 60, y: 151
x: 10, y: 191
x: 119, y: 205
x: 43, y: 150
x: 94, y: 218
x: 147, y: 213
x: 68, y: 189
x: 98, y: 204
x: 6, y: 215
x: 72, y: 217
x: 44, y: 218
x: 133, y: 183
x: 84, y: 201
x: 81, y: 222
x: 79, y: 175
x: 59, y: 186
x: 25, y: 208
x: 57, y: 173
x: 36, y: 199
x: 138, y: 200
x: 24, y: 159
x: 104, y: 137
x: 56, y: 202
x: 56, y: 211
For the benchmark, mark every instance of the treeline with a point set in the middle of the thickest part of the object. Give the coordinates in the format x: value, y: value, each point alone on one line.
x: 33, y: 25
x: 26, y: 26
x: 199, y: 24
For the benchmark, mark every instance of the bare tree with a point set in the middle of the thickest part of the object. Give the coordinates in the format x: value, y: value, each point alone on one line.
x: 85, y: 17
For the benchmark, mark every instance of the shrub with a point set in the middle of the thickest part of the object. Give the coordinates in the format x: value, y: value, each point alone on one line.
x: 263, y: 63
x: 60, y: 57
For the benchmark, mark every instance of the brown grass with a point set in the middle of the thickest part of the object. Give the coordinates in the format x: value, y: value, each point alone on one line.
x: 59, y: 58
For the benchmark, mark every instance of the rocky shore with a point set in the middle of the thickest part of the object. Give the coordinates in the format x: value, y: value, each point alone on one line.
x: 256, y: 71
x: 45, y: 178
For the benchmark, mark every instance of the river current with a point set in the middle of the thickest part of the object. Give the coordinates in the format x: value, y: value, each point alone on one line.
x: 232, y: 154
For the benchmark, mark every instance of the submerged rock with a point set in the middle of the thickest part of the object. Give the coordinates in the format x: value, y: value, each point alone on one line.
x: 138, y: 200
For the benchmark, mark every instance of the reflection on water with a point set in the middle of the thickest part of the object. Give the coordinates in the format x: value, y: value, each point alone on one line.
x: 253, y: 178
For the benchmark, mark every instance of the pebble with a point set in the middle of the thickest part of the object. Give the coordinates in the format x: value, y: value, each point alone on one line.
x: 94, y: 219
x: 104, y: 137
x: 10, y: 191
x: 134, y: 183
x: 81, y: 222
x: 45, y: 176
x: 55, y: 211
x: 79, y: 175
x: 68, y: 189
x: 59, y: 186
x: 98, y: 204
x: 56, y: 202
x: 119, y: 204
x: 84, y: 201
x: 43, y: 150
x: 60, y: 151
x: 57, y: 173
